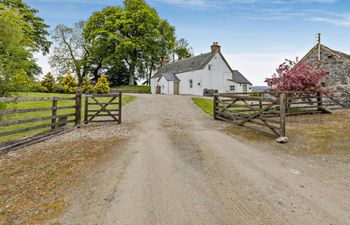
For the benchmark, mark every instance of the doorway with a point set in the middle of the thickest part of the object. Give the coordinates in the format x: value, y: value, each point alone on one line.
x: 176, y: 88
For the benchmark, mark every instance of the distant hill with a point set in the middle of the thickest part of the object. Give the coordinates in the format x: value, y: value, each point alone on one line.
x: 259, y: 88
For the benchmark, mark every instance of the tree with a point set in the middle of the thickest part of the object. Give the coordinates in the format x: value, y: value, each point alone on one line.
x: 134, y: 34
x: 14, y: 55
x: 36, y: 30
x: 102, y: 85
x: 71, y: 51
x: 300, y: 76
x: 68, y: 83
x: 182, y: 50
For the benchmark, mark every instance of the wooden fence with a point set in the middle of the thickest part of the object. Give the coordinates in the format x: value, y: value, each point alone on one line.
x: 259, y: 111
x: 269, y: 110
x: 98, y: 109
x: 54, y: 120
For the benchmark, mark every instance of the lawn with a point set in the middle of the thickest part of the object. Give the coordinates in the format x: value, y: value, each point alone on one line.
x: 205, y: 104
x: 141, y: 89
x: 44, y: 104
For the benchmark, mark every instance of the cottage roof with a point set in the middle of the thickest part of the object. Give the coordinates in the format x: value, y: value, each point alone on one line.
x: 342, y: 55
x: 237, y: 77
x: 169, y: 77
x: 195, y: 63
x: 185, y: 65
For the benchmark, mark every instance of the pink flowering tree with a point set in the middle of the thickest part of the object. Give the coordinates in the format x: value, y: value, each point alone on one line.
x: 293, y: 76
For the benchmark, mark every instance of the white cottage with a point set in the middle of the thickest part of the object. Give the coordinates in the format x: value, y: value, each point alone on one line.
x: 193, y: 75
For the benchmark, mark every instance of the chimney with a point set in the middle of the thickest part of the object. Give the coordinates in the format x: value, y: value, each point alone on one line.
x: 215, y: 47
x: 165, y: 60
x: 319, y: 46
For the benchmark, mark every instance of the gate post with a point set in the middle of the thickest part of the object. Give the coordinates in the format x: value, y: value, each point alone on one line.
x: 120, y: 108
x: 54, y: 113
x: 78, y: 107
x: 86, y: 108
x: 282, y: 138
x: 215, y: 104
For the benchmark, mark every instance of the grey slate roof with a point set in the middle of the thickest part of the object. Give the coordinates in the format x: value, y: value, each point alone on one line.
x: 169, y: 77
x: 185, y: 65
x: 199, y: 62
x: 239, y: 78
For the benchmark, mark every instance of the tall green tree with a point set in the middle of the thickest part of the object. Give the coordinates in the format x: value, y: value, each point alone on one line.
x: 15, y: 56
x: 134, y: 34
x: 36, y: 29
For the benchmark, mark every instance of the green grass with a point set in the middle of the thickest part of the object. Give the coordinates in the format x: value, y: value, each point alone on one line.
x: 205, y: 104
x: 45, y: 104
x: 142, y: 89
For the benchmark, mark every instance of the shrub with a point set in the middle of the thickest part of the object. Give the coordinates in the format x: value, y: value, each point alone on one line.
x: 21, y: 82
x: 86, y: 85
x: 69, y: 84
x: 49, y: 82
x: 297, y: 77
x: 102, y: 85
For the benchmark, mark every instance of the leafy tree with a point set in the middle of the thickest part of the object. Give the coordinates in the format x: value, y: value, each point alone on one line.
x: 297, y: 77
x: 68, y: 83
x: 34, y: 32
x: 14, y: 55
x: 134, y: 34
x: 35, y: 29
x: 102, y: 85
x: 70, y: 53
x: 182, y: 50
x: 49, y: 82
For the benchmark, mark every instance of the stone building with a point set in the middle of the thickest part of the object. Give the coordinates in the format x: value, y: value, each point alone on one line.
x: 335, y: 62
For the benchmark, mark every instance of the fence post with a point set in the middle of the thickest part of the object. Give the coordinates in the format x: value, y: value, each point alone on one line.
x: 86, y: 108
x: 319, y: 101
x: 78, y: 107
x: 282, y: 117
x: 120, y: 108
x: 54, y: 113
x: 215, y: 103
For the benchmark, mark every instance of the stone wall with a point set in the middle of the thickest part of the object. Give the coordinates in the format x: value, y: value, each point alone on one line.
x: 338, y: 68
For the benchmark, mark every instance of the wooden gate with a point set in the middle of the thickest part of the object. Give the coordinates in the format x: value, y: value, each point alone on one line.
x: 262, y: 111
x: 96, y: 106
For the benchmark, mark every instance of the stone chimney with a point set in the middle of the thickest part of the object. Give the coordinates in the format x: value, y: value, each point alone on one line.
x: 165, y: 60
x: 215, y: 47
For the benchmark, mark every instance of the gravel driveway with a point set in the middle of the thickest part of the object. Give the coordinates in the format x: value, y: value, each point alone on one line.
x: 169, y: 163
x: 179, y: 167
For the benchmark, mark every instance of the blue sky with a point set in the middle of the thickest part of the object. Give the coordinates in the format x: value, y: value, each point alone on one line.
x: 256, y: 35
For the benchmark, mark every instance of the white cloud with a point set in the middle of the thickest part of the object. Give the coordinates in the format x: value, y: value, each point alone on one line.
x: 338, y: 20
x: 207, y: 3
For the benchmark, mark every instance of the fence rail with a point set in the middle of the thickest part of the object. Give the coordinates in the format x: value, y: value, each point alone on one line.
x: 54, y: 121
x: 269, y: 110
x: 259, y: 111
x: 102, y: 110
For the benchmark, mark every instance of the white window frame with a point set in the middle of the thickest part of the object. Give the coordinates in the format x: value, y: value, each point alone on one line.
x: 232, y: 87
x: 191, y: 83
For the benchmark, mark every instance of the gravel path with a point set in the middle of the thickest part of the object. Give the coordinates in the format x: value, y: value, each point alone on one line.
x: 180, y: 168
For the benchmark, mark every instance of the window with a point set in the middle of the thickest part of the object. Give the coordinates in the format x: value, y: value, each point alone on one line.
x: 232, y: 87
x: 209, y: 67
x: 191, y: 83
